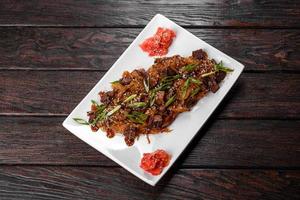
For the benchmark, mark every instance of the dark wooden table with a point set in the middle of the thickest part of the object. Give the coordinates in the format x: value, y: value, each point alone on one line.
x: 53, y: 52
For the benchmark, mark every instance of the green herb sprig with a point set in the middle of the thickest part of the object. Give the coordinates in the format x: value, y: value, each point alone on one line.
x: 185, y: 87
x: 137, y: 117
x: 152, y: 97
x: 170, y: 100
x: 81, y: 121
x: 100, y: 117
x: 100, y: 112
x: 113, y: 111
x: 194, y: 92
x: 196, y: 81
x: 208, y: 74
x: 167, y: 82
x: 220, y: 67
x: 130, y: 98
x: 164, y: 84
x: 114, y: 82
x: 137, y: 105
x: 190, y: 67
x: 146, y: 83
x: 187, y: 84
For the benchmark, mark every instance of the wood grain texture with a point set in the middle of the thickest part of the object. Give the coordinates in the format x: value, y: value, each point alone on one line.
x: 220, y: 143
x: 98, y: 49
x: 53, y: 52
x: 58, y: 92
x: 112, y: 183
x: 242, y: 13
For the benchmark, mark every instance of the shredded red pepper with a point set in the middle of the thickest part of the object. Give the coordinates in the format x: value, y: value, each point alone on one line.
x: 155, y: 162
x: 159, y: 44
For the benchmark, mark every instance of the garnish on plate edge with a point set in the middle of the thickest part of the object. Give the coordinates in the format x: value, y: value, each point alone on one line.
x: 159, y: 43
x: 155, y: 162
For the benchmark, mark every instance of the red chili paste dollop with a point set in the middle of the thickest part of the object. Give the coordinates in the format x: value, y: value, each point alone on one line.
x: 155, y: 162
x: 159, y: 44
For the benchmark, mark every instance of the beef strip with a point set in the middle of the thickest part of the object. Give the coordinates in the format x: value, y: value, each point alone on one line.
x: 106, y: 97
x: 220, y: 75
x: 200, y: 54
x: 125, y: 80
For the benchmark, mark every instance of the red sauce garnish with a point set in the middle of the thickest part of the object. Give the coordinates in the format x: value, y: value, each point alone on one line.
x: 159, y: 44
x: 155, y: 162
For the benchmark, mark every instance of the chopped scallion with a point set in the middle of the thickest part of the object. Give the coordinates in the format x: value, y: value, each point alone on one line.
x: 81, y: 121
x: 185, y: 87
x: 137, y: 104
x: 208, y: 74
x: 130, y: 98
x: 170, y: 100
x: 152, y: 98
x: 220, y: 67
x: 94, y: 102
x: 194, y: 92
x: 137, y: 117
x: 196, y: 81
x: 115, y: 109
x: 99, y: 117
x: 117, y: 81
x: 147, y: 84
x: 190, y: 67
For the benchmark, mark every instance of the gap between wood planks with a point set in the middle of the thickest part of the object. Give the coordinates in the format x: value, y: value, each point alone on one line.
x: 186, y: 167
x: 143, y: 26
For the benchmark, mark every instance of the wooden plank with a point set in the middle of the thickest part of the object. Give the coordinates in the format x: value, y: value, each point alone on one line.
x: 108, y: 183
x: 220, y: 143
x: 98, y: 49
x: 256, y: 95
x: 243, y: 13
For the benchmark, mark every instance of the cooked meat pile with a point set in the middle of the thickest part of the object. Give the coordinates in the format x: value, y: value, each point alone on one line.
x: 147, y: 102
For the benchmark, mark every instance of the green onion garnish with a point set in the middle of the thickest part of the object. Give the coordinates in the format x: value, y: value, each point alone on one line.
x: 94, y: 102
x: 185, y: 87
x: 100, y: 113
x: 196, y: 81
x: 152, y: 97
x: 81, y: 121
x: 130, y: 98
x: 137, y: 104
x: 171, y: 78
x: 208, y: 74
x: 99, y: 117
x: 190, y: 67
x: 166, y: 82
x: 115, y: 109
x: 170, y: 100
x: 117, y: 81
x: 221, y: 67
x: 147, y: 84
x: 194, y: 92
x: 137, y: 117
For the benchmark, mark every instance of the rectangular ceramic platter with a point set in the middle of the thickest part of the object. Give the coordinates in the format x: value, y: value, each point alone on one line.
x: 184, y: 128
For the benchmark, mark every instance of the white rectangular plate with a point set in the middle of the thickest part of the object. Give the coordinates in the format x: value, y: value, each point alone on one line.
x: 184, y: 128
